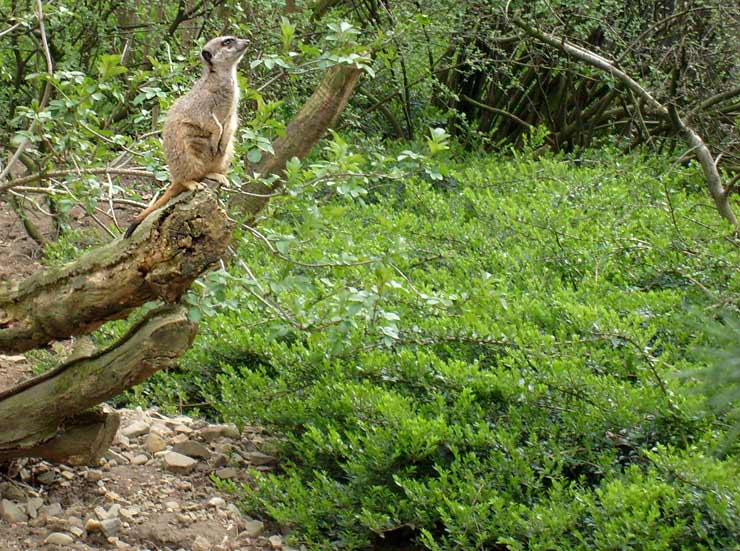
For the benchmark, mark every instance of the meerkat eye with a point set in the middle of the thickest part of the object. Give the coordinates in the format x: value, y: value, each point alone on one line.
x: 228, y: 42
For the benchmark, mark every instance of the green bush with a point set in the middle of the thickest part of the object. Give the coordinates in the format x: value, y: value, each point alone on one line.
x: 490, y: 366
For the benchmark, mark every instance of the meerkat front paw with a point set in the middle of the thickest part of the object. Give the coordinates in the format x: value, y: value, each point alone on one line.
x: 216, y: 177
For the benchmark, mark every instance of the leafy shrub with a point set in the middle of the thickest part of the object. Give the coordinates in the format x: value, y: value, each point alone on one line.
x: 483, y: 364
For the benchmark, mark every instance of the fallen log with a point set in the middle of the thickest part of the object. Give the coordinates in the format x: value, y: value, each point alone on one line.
x: 47, y: 416
x: 173, y: 246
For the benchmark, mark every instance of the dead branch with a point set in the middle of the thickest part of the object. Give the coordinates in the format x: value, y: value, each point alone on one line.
x: 699, y: 148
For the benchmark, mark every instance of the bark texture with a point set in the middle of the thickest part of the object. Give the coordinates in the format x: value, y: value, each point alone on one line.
x: 42, y: 417
x: 165, y: 255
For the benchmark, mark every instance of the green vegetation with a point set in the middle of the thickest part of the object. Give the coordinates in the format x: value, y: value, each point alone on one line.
x: 481, y: 315
x: 494, y: 365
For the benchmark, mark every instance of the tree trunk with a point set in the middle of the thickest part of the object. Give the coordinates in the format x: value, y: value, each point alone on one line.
x: 178, y: 244
x: 173, y: 246
x: 35, y: 416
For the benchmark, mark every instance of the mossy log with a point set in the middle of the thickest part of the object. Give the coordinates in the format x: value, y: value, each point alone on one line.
x: 46, y: 416
x: 173, y: 246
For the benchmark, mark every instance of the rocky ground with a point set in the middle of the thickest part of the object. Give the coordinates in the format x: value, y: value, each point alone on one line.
x: 152, y: 491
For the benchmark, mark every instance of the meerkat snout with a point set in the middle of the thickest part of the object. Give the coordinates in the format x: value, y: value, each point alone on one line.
x: 224, y: 52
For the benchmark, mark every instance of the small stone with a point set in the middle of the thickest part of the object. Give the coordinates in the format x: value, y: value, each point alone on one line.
x: 33, y: 505
x: 12, y: 512
x: 140, y: 459
x: 178, y: 463
x: 183, y: 429
x: 114, y: 458
x: 47, y: 477
x: 259, y: 458
x: 227, y: 473
x: 218, y: 460
x: 55, y: 524
x: 201, y: 544
x: 154, y: 443
x: 67, y: 475
x: 14, y: 493
x: 92, y: 525
x: 216, y: 502
x: 93, y: 475
x: 51, y: 510
x: 192, y: 449
x: 213, y: 432
x: 137, y: 428
x: 254, y: 528
x: 110, y: 527
x: 77, y: 531
x: 276, y: 541
x: 59, y: 538
x: 172, y: 506
x: 75, y: 522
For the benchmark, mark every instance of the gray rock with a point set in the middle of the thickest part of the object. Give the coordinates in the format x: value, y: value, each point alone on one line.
x: 140, y: 459
x: 110, y: 527
x: 259, y: 458
x: 137, y: 428
x: 33, y: 505
x: 213, y: 432
x: 216, y: 502
x: 47, y: 477
x: 218, y: 460
x: 13, y: 493
x: 12, y: 512
x: 254, y: 528
x: 192, y: 449
x: 201, y: 544
x: 59, y: 538
x: 51, y: 510
x: 227, y: 473
x: 154, y: 443
x: 178, y: 463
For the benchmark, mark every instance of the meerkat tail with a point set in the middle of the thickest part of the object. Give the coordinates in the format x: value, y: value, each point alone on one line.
x: 175, y: 189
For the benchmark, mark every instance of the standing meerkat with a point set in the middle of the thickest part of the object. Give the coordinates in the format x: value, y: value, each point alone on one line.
x: 199, y: 129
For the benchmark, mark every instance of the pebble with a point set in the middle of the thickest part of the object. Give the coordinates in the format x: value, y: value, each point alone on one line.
x: 254, y: 528
x: 47, y: 477
x: 259, y: 458
x: 140, y: 459
x: 33, y: 505
x: 216, y: 502
x: 276, y: 541
x: 192, y: 449
x: 227, y: 473
x: 52, y: 510
x: 154, y: 443
x: 201, y: 544
x: 12, y: 512
x: 178, y: 463
x: 137, y: 428
x: 213, y: 432
x: 59, y: 538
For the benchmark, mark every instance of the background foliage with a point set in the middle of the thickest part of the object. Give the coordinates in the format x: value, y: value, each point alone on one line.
x: 477, y: 315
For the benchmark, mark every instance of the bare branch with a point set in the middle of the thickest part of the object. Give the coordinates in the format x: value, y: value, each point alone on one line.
x: 701, y: 151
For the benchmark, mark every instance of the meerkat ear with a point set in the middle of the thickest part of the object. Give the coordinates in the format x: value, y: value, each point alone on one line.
x: 207, y: 55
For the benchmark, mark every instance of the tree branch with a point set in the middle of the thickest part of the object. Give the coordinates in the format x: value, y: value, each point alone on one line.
x: 700, y: 149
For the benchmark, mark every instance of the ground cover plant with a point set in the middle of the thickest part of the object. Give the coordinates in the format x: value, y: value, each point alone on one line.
x: 488, y: 360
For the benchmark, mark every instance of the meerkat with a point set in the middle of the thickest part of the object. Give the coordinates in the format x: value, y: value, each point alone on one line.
x: 199, y: 128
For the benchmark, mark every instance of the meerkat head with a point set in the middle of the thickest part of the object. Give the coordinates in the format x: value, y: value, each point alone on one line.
x: 223, y: 53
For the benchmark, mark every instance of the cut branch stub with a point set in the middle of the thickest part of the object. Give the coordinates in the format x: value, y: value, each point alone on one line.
x: 170, y: 249
x: 44, y: 416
